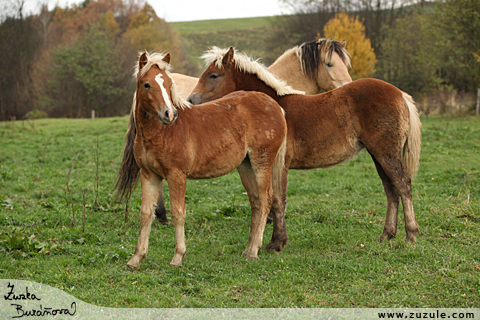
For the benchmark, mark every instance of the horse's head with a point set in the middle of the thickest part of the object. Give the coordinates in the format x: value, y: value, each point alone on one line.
x: 156, y: 92
x: 217, y: 80
x: 228, y: 71
x: 326, y: 62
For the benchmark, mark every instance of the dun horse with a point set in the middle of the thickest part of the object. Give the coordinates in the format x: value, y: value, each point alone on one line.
x: 167, y: 139
x: 330, y: 128
x: 311, y: 67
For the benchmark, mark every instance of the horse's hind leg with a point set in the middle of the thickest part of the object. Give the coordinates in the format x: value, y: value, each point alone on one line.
x: 160, y: 211
x: 259, y: 190
x: 150, y: 191
x: 247, y: 177
x: 397, y: 183
x: 279, y: 235
x: 391, y: 222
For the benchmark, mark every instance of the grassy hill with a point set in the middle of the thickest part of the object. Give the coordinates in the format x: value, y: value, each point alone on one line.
x: 250, y: 35
x: 205, y: 26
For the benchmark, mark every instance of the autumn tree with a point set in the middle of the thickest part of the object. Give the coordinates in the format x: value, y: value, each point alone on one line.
x: 91, y: 74
x: 351, y: 29
x: 146, y: 31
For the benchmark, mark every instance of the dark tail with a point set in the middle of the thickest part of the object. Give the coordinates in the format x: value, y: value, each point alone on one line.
x: 128, y: 174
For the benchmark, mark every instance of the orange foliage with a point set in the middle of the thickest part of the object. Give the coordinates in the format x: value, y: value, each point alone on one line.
x: 71, y: 22
x: 351, y: 29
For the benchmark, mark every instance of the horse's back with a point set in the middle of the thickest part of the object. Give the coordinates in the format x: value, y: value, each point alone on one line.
x: 332, y: 127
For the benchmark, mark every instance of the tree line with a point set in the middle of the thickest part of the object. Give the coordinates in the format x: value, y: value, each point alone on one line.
x: 66, y: 62
x: 426, y: 48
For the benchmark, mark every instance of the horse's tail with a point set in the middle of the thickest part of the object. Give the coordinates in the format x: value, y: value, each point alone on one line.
x: 411, y: 149
x: 127, y: 176
x: 278, y: 168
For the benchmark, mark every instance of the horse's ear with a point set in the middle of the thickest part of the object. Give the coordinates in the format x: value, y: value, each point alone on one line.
x: 227, y: 60
x: 142, y: 61
x: 167, y: 58
x: 344, y: 43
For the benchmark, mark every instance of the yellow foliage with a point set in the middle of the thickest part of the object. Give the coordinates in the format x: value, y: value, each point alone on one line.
x: 148, y: 32
x: 351, y: 29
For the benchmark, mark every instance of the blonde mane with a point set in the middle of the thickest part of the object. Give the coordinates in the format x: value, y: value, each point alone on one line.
x: 247, y: 64
x: 157, y: 59
x: 309, y: 58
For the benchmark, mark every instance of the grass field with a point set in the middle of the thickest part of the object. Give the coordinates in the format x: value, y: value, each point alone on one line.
x: 205, y: 26
x: 334, y: 217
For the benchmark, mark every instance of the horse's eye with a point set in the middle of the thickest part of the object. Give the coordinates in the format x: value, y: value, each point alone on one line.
x: 214, y: 76
x: 329, y: 64
x: 146, y: 86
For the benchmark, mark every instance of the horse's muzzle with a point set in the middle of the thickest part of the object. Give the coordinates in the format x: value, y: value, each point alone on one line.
x: 166, y: 117
x: 195, y: 98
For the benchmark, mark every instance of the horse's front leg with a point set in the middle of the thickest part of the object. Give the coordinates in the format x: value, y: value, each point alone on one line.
x: 177, y: 183
x: 151, y: 184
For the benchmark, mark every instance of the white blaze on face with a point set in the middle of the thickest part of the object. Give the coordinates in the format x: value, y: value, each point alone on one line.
x: 166, y: 98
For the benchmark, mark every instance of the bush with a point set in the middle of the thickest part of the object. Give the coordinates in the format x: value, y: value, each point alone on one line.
x: 36, y: 114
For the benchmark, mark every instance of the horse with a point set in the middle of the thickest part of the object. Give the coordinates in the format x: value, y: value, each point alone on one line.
x: 310, y: 67
x: 330, y: 128
x: 314, y: 66
x: 169, y: 140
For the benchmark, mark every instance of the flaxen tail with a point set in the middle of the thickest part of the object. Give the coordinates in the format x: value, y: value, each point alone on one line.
x: 129, y: 170
x: 411, y: 149
x: 278, y: 169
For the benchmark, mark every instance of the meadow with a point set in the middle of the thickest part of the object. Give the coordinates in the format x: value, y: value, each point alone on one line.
x: 60, y: 226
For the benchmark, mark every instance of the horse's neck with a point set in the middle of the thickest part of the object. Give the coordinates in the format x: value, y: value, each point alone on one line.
x: 288, y: 69
x: 251, y: 82
x: 147, y: 125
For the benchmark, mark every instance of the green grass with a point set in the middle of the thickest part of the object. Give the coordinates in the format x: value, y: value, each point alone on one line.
x: 334, y: 218
x: 205, y: 26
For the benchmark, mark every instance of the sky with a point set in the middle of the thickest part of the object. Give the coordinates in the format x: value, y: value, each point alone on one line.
x: 191, y: 10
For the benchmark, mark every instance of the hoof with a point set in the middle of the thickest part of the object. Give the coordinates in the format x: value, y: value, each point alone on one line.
x: 164, y: 222
x: 177, y: 265
x: 133, y: 268
x: 386, y: 235
x: 161, y: 216
x: 177, y: 260
x: 249, y: 258
x: 275, y: 246
x: 412, y: 239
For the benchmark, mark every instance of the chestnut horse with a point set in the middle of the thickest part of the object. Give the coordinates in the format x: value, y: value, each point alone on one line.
x: 311, y: 67
x: 169, y: 140
x: 330, y: 128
